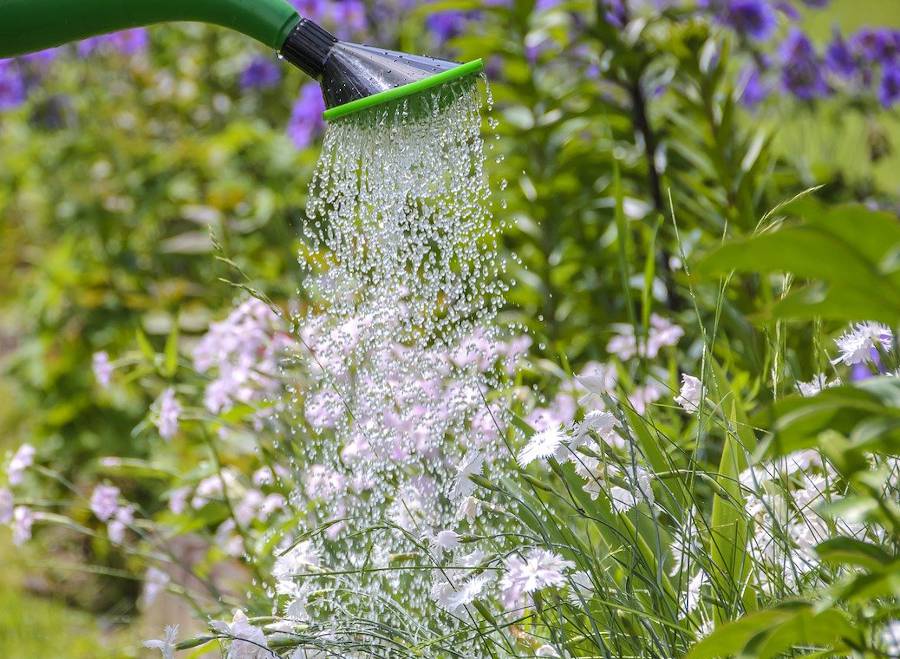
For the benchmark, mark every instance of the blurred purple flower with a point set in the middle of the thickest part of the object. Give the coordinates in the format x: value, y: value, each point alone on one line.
x: 447, y: 24
x: 802, y: 73
x: 543, y: 5
x: 889, y: 90
x: 126, y: 42
x: 839, y: 58
x: 755, y: 18
x: 315, y: 10
x: 349, y: 17
x: 42, y: 57
x: 261, y: 73
x: 306, y: 119
x: 877, y: 45
x: 616, y: 13
x: 12, y: 86
x: 754, y: 90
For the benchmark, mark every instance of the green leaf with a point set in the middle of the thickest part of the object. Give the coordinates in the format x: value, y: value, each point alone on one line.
x: 850, y: 551
x: 171, y: 351
x: 863, y: 242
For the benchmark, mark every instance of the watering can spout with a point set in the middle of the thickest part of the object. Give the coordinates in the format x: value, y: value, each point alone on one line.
x: 352, y: 76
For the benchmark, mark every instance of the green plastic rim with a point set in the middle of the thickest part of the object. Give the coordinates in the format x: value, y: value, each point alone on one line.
x: 461, y: 71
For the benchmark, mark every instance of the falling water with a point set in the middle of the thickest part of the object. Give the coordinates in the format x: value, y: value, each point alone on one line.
x: 400, y: 351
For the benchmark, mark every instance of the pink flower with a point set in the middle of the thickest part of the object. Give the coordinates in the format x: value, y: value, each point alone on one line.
x: 169, y: 411
x: 22, y: 459
x: 102, y: 368
x: 105, y: 502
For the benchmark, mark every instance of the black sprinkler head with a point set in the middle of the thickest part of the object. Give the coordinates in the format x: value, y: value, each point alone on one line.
x: 354, y: 77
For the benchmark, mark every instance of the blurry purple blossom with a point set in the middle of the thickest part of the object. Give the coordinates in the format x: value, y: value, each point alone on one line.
x: 102, y: 368
x: 349, y: 17
x: 447, y: 24
x: 315, y: 10
x: 261, y: 73
x: 23, y: 519
x: 168, y: 414
x: 839, y: 58
x: 124, y: 516
x: 755, y: 18
x: 788, y: 10
x: 42, y: 57
x: 12, y: 85
x: 802, y: 73
x: 754, y: 89
x: 22, y: 460
x: 877, y: 45
x: 105, y: 502
x: 616, y: 13
x: 126, y: 42
x: 6, y: 506
x: 306, y: 119
x: 889, y: 90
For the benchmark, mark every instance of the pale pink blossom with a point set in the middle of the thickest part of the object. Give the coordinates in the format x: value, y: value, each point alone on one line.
x: 22, y: 460
x: 102, y: 368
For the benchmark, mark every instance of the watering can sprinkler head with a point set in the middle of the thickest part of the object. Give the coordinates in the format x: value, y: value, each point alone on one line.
x: 355, y: 77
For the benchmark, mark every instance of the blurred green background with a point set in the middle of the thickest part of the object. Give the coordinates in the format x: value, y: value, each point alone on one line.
x: 116, y: 170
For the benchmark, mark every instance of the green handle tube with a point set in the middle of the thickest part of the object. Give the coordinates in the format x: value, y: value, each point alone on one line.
x: 30, y: 25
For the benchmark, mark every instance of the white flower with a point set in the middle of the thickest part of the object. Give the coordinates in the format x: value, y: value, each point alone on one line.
x: 105, y: 502
x: 857, y: 344
x: 539, y: 569
x: 6, y: 506
x: 167, y: 645
x: 471, y: 465
x: 602, y: 423
x: 814, y: 386
x: 169, y: 410
x: 593, y: 472
x: 546, y: 651
x: 248, y: 642
x: 691, y: 393
x: 541, y: 446
x: 692, y: 597
x: 452, y: 598
x: 598, y: 378
x: 469, y: 509
x: 640, y: 490
x: 445, y: 540
x: 22, y: 459
x: 23, y: 519
x: 300, y: 559
x: 102, y: 369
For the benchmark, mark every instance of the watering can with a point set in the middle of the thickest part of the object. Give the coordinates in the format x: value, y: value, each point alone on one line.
x: 353, y: 77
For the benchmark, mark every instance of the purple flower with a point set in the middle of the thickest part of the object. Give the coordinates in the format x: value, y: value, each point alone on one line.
x: 168, y: 414
x: 261, y: 73
x: 42, y: 57
x: 102, y: 368
x: 447, y: 24
x: 315, y: 10
x: 754, y: 90
x: 788, y: 10
x: 126, y: 42
x: 306, y: 119
x: 349, y: 17
x: 616, y: 13
x: 12, y: 86
x: 839, y: 58
x: 105, y: 502
x: 802, y: 74
x: 889, y: 90
x: 755, y: 18
x: 880, y: 45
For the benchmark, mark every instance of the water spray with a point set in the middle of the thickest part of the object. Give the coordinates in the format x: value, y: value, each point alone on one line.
x: 353, y: 77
